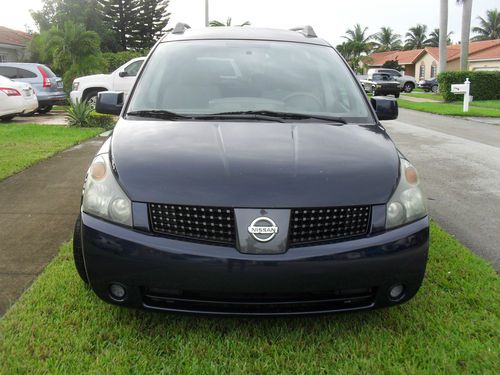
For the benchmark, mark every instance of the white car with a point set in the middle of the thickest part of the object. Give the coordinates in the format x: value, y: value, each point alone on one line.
x: 16, y: 98
x: 122, y: 79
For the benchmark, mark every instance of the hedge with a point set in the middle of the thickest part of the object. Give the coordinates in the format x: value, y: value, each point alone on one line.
x: 98, y: 120
x: 484, y: 85
x: 116, y: 59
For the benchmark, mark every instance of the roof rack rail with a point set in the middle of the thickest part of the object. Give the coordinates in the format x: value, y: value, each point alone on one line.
x: 306, y: 30
x: 180, y: 28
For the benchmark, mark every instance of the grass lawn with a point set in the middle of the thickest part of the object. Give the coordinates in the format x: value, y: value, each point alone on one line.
x: 451, y: 326
x: 23, y: 145
x: 455, y: 109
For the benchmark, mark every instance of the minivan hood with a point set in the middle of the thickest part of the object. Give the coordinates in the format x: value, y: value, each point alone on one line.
x: 254, y: 164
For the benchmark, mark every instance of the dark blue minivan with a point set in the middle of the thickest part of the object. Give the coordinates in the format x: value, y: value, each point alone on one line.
x: 248, y: 173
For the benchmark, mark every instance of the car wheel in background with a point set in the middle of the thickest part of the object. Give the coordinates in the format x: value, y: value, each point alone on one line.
x: 408, y: 87
x: 45, y: 109
x: 91, y: 97
x: 396, y: 95
x: 435, y: 89
x: 77, y: 250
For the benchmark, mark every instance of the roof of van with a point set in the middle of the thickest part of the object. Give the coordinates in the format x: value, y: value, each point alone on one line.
x: 243, y: 32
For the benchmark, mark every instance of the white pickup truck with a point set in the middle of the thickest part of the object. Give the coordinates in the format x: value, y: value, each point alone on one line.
x: 122, y: 79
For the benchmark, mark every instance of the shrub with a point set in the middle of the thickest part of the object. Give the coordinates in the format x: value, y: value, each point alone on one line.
x: 116, y: 59
x: 81, y: 114
x: 483, y: 85
x: 100, y: 120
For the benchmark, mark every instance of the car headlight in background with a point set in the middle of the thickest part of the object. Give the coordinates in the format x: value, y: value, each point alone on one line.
x: 76, y: 84
x: 407, y: 203
x: 103, y: 196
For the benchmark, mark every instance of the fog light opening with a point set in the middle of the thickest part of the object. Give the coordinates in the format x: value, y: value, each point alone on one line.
x: 117, y: 292
x: 396, y: 292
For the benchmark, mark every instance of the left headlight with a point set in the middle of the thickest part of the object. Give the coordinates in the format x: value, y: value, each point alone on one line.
x: 102, y: 196
x: 407, y: 203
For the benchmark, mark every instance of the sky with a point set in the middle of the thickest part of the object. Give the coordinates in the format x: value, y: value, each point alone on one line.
x: 330, y: 18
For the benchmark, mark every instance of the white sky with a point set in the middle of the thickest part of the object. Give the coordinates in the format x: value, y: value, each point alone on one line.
x: 330, y: 18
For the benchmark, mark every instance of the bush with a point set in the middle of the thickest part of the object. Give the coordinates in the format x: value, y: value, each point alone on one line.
x: 483, y: 85
x: 116, y: 59
x: 82, y: 115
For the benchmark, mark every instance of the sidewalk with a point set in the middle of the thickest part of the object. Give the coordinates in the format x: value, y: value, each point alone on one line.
x: 38, y: 208
x: 418, y: 100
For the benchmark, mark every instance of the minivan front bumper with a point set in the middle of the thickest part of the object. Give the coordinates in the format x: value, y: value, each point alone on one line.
x: 166, y: 274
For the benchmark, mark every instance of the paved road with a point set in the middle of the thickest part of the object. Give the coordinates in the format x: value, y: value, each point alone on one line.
x: 459, y: 164
x: 38, y: 208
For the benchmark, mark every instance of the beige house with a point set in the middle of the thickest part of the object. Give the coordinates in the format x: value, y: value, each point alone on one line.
x: 423, y: 63
x: 13, y: 45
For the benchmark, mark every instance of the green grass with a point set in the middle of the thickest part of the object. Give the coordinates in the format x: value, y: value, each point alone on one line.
x: 23, y: 145
x: 452, y: 109
x: 451, y: 326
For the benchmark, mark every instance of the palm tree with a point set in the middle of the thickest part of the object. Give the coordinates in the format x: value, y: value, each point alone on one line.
x: 215, y: 23
x: 387, y: 40
x: 357, y: 45
x: 416, y: 37
x: 443, y: 25
x: 433, y: 40
x: 465, y: 34
x: 490, y: 27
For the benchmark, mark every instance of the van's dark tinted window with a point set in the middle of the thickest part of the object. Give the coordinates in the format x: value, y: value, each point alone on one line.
x: 214, y: 76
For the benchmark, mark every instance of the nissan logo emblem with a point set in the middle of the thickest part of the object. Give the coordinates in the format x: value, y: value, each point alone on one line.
x: 263, y: 229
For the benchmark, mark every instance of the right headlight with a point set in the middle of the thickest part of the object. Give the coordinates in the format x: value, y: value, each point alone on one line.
x: 102, y: 196
x: 407, y: 203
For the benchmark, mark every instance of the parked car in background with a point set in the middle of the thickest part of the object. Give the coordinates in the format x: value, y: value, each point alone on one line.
x: 122, y: 79
x: 381, y: 84
x: 248, y: 173
x: 406, y: 83
x: 429, y: 85
x: 16, y: 98
x: 48, y: 87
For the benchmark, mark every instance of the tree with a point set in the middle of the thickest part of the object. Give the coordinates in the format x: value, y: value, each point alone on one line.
x: 356, y: 46
x: 122, y: 17
x: 489, y: 28
x: 416, y: 37
x: 387, y: 40
x: 215, y: 23
x: 153, y: 20
x: 465, y: 34
x: 443, y: 26
x: 392, y: 64
x: 433, y: 40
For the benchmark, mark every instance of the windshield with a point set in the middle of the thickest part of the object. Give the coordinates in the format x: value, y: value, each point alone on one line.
x: 220, y: 76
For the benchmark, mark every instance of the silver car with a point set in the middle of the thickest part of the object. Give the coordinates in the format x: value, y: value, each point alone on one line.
x: 48, y: 87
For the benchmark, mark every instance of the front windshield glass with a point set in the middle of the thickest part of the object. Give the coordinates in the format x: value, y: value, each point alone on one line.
x: 217, y: 76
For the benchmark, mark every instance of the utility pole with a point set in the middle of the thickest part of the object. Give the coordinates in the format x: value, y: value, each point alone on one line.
x: 443, y: 35
x: 206, y: 13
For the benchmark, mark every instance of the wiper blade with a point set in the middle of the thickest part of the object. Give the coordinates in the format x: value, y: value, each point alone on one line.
x: 288, y: 115
x: 157, y: 113
x: 237, y: 116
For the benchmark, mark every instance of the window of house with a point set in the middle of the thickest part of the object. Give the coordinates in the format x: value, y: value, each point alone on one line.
x: 422, y: 70
x: 433, y: 69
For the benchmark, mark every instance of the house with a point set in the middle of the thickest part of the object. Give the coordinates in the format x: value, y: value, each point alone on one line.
x: 423, y: 63
x: 13, y: 45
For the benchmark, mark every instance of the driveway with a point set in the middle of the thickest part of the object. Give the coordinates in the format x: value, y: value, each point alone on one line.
x: 38, y: 208
x: 51, y: 118
x: 459, y: 164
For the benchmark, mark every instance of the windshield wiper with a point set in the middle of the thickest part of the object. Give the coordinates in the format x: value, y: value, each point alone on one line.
x: 285, y: 115
x: 238, y: 116
x: 158, y: 113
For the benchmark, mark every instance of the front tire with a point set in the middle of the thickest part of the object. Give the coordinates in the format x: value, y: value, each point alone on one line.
x: 91, y: 97
x: 408, y: 87
x: 78, y: 251
x: 7, y: 118
x: 396, y: 95
x: 45, y: 109
x: 435, y: 89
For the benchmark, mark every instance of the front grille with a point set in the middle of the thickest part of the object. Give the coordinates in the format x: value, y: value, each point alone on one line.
x: 203, y: 224
x: 258, y: 303
x: 316, y: 225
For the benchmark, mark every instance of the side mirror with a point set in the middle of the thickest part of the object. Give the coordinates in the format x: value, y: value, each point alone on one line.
x: 109, y: 102
x: 123, y: 73
x: 386, y: 108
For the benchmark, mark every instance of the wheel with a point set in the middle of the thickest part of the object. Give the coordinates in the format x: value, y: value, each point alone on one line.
x: 91, y: 97
x: 77, y: 250
x: 44, y: 110
x: 396, y: 95
x: 408, y: 87
x: 435, y: 89
x: 7, y: 118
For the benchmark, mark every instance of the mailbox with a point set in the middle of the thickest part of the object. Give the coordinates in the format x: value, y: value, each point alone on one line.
x: 458, y: 89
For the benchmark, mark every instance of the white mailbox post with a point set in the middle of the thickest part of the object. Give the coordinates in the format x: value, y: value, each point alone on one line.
x: 463, y: 89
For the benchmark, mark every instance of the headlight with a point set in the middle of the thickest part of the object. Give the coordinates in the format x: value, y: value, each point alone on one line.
x: 103, y: 196
x: 76, y: 84
x: 407, y: 202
